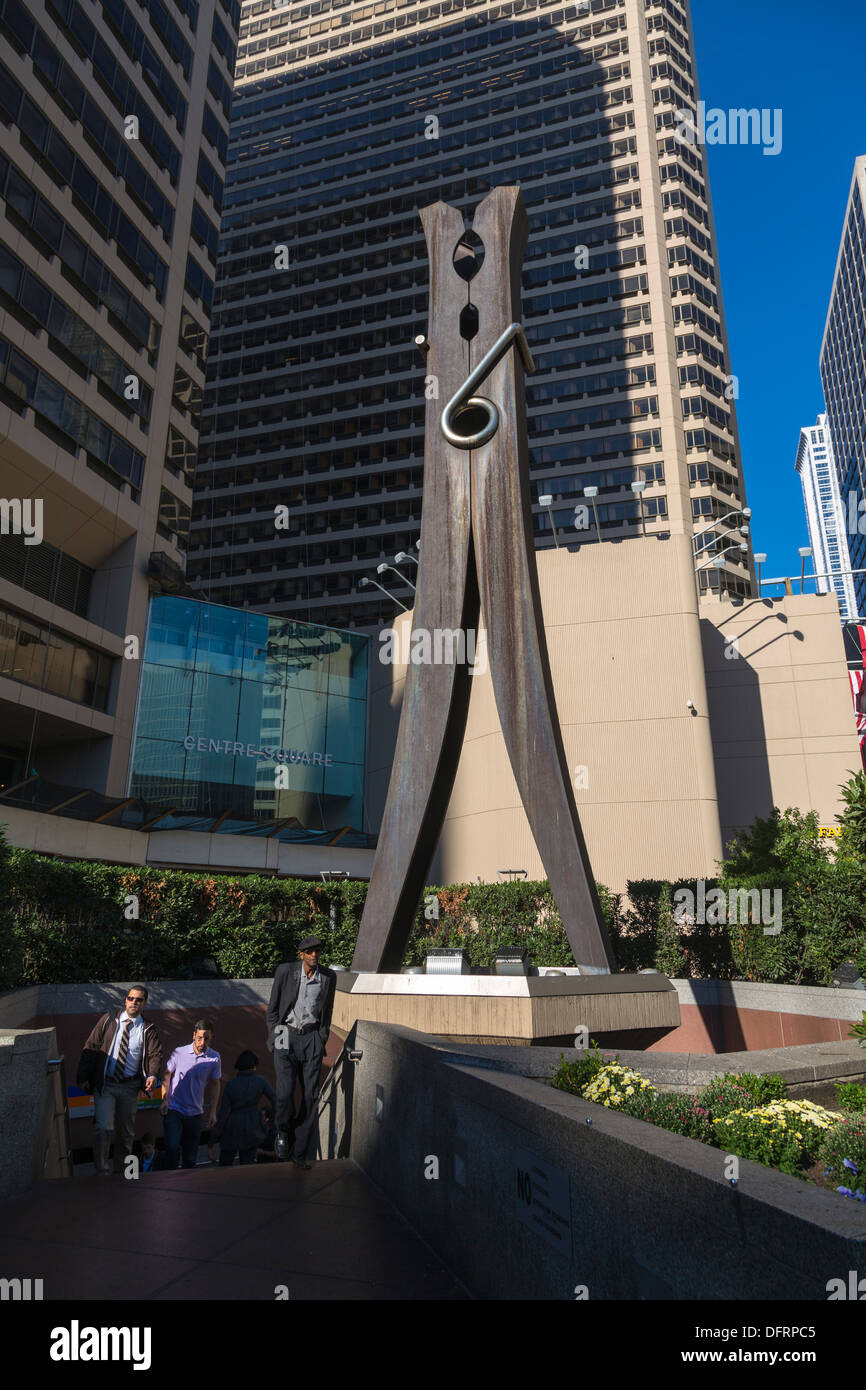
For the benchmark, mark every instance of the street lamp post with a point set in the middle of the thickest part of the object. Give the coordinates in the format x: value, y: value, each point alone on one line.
x: 592, y: 493
x: 380, y: 569
x: 638, y: 487
x: 745, y: 512
x: 546, y: 500
x: 365, y: 580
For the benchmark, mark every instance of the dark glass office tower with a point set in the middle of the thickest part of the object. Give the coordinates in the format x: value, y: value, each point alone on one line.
x: 349, y: 118
x: 843, y: 374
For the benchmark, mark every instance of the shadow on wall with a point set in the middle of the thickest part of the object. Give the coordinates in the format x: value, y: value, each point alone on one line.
x: 737, y: 725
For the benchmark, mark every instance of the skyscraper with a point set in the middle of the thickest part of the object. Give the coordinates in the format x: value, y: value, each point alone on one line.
x: 825, y: 515
x: 843, y: 374
x: 115, y: 136
x: 349, y: 118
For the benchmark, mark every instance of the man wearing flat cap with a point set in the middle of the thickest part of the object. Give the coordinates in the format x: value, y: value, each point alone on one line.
x: 299, y: 1021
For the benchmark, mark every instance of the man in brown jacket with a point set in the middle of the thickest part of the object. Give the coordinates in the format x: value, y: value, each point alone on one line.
x: 122, y: 1056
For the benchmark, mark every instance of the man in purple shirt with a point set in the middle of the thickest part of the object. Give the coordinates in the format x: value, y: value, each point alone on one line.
x: 192, y: 1084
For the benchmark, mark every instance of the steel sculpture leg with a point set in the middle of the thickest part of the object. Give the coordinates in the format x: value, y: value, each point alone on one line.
x: 510, y: 601
x: 435, y: 697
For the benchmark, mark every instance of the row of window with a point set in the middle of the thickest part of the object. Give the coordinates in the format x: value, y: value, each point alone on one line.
x: 170, y: 35
x: 36, y: 655
x: 81, y: 265
x: 41, y: 309
x: 209, y: 180
x: 181, y: 457
x: 65, y: 167
x: 236, y: 268
x: 125, y: 95
x: 47, y: 572
x: 526, y: 110
x: 713, y: 443
x: 132, y: 37
x: 361, y: 50
x: 214, y: 133
x: 172, y: 518
x: 198, y: 283
x: 72, y: 424
x: 303, y: 87
x: 190, y: 9
x: 367, y: 116
x: 609, y: 479
x: 204, y: 231
x: 602, y: 384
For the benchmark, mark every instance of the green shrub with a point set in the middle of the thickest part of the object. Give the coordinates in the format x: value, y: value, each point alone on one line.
x: 786, y: 1134
x: 723, y: 1095
x: 669, y: 956
x: 763, y: 1088
x: 851, y: 1095
x: 576, y: 1073
x: 681, y: 1114
x: 853, y: 818
x: 858, y: 1030
x: 843, y: 1153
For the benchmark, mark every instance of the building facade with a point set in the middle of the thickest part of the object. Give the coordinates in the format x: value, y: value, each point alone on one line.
x: 843, y: 374
x: 349, y: 118
x: 115, y: 132
x: 825, y: 516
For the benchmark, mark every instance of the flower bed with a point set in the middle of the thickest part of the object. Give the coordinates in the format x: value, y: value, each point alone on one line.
x: 744, y: 1115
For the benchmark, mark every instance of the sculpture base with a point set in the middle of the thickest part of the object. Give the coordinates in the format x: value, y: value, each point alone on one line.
x: 618, y: 1010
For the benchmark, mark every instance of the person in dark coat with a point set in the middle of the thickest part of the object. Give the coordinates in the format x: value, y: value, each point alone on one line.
x: 239, y: 1127
x: 299, y: 1023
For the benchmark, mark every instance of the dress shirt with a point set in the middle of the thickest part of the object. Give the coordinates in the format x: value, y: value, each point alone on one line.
x: 136, y: 1042
x: 308, y: 1004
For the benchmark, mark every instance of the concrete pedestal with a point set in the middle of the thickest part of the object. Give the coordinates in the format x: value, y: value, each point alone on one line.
x: 625, y: 1010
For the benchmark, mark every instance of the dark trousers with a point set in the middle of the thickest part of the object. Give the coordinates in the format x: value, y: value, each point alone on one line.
x: 303, y: 1055
x: 182, y: 1132
x: 227, y: 1156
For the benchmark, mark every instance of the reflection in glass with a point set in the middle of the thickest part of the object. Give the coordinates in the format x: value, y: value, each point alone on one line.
x: 239, y: 712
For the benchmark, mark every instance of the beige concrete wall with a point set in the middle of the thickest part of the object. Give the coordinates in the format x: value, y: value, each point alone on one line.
x: 628, y: 652
x: 623, y: 633
x: 780, y: 706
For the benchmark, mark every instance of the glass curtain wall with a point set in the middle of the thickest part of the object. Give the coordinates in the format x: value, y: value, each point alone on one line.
x: 257, y: 717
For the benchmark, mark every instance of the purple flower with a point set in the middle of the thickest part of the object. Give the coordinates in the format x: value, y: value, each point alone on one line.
x: 852, y: 1167
x: 845, y: 1191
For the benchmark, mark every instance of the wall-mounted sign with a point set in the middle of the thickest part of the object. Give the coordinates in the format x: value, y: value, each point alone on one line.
x: 230, y: 748
x: 543, y: 1199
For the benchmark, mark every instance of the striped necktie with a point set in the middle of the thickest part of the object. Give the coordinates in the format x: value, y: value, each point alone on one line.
x: 120, y: 1068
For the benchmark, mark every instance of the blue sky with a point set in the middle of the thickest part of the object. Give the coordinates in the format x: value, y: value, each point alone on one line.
x: 779, y: 221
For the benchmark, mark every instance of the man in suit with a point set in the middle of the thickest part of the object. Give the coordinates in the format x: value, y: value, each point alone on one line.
x: 122, y: 1056
x: 299, y: 1021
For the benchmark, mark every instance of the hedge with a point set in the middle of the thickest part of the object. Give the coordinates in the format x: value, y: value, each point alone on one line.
x: 73, y: 921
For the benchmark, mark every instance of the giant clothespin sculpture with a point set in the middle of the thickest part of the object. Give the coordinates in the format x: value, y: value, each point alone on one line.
x: 477, y: 550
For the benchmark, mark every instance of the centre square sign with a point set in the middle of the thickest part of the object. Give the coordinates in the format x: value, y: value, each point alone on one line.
x: 232, y: 749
